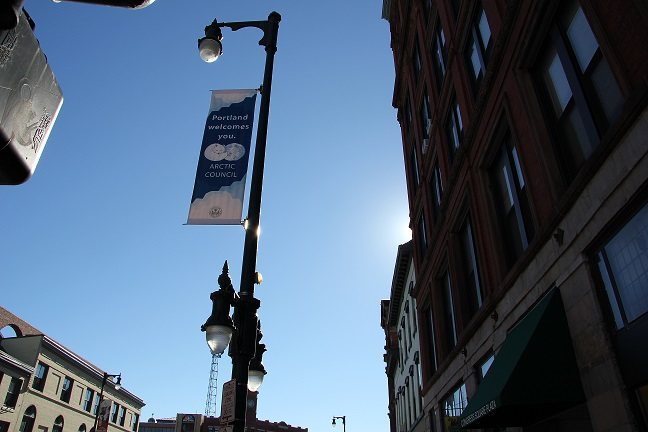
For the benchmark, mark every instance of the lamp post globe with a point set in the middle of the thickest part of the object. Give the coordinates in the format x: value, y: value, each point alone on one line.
x: 210, y: 46
x: 218, y: 338
x: 210, y: 49
x: 255, y: 379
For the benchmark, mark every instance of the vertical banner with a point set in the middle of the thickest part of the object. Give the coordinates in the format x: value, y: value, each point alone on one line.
x: 104, y: 415
x: 222, y: 167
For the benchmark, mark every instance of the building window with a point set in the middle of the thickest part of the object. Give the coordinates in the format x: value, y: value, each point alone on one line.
x: 412, y: 400
x: 432, y: 355
x: 408, y: 112
x: 95, y: 407
x: 404, y: 352
x: 453, y: 406
x: 400, y: 349
x: 417, y: 362
x: 409, y: 330
x: 27, y: 423
x: 122, y: 415
x: 4, y: 426
x: 478, y: 47
x: 12, y: 392
x: 436, y: 188
x: 456, y: 7
x: 449, y: 322
x: 416, y: 59
x: 439, y: 54
x: 484, y: 366
x: 58, y: 424
x: 82, y: 428
x: 427, y: 8
x: 454, y: 128
x: 642, y: 395
x: 511, y: 201
x: 416, y: 402
x: 67, y: 389
x: 433, y: 420
x: 581, y: 91
x: 135, y: 422
x: 424, y: 118
x: 40, y: 376
x: 113, y: 413
x: 414, y: 171
x: 414, y: 324
x: 623, y: 263
x: 87, y: 401
x: 470, y: 268
x: 421, y: 235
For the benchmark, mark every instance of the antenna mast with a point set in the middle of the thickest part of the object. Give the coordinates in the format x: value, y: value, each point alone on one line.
x: 212, y: 389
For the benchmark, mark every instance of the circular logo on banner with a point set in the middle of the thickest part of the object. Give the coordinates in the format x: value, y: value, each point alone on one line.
x: 235, y: 151
x: 216, y: 152
x: 215, y: 212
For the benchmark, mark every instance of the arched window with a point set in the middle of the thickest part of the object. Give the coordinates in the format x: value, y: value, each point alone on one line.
x: 58, y: 424
x: 27, y: 423
x: 8, y: 331
x: 82, y: 428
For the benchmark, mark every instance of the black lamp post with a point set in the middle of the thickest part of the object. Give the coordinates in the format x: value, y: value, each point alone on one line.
x: 106, y: 376
x: 243, y: 347
x: 343, y: 418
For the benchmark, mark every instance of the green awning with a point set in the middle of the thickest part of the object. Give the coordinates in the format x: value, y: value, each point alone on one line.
x: 534, y: 374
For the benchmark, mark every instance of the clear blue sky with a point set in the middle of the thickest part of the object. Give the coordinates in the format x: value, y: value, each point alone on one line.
x: 94, y: 250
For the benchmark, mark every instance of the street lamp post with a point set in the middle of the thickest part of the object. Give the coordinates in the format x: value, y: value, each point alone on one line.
x: 343, y: 418
x: 106, y: 376
x: 243, y: 347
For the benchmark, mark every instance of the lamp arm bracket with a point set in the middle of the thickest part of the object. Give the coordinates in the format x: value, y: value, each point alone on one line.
x: 268, y: 26
x: 263, y: 25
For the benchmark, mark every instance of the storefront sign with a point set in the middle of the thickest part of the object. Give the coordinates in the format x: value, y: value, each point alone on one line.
x: 479, y: 413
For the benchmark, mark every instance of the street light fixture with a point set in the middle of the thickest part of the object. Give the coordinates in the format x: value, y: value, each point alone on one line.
x: 219, y: 326
x: 117, y: 385
x: 257, y: 370
x: 246, y: 330
x: 343, y: 418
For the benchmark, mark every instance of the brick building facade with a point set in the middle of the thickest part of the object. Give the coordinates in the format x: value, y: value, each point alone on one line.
x: 525, y: 139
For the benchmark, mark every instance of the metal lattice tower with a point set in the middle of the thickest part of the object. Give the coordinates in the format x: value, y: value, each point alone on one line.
x: 212, y: 389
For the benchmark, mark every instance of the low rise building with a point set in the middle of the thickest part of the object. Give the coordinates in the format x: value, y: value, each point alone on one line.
x: 46, y: 387
x: 402, y: 356
x: 201, y: 423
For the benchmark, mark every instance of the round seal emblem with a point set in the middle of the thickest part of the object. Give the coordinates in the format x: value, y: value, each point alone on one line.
x: 215, y: 212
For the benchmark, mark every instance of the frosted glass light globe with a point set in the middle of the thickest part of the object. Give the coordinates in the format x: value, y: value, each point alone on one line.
x: 255, y: 378
x: 218, y: 337
x: 210, y: 49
